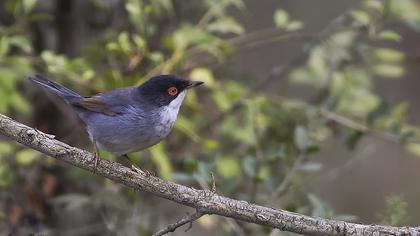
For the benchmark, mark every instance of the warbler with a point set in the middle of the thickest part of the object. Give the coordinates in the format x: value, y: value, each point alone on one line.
x: 127, y: 119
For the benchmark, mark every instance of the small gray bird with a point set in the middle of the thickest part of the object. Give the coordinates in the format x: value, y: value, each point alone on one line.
x: 129, y: 119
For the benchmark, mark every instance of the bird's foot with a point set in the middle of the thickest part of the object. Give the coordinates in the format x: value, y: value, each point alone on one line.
x: 150, y: 173
x: 96, y: 158
x: 137, y: 169
x: 143, y: 172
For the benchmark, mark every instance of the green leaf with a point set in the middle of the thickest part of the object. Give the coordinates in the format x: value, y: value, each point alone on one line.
x: 135, y: 12
x: 221, y: 99
x: 225, y: 25
x: 281, y: 18
x: 228, y: 167
x: 7, y: 176
x: 139, y: 42
x: 389, y: 35
x: 413, y: 148
x: 162, y: 162
x: 376, y: 5
x: 55, y: 63
x: 396, y: 213
x: 4, y: 46
x: 361, y: 16
x: 263, y: 173
x: 124, y: 42
x: 203, y: 74
x: 211, y: 144
x: 26, y: 157
x: 389, y: 70
x: 294, y: 25
x: 28, y: 5
x: 5, y: 149
x: 388, y: 55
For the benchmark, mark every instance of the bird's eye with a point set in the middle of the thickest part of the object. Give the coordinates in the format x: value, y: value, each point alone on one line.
x: 172, y: 91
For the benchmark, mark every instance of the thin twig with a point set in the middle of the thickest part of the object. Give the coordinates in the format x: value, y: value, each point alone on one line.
x: 187, y: 220
x: 235, y: 226
x: 347, y: 122
x: 281, y: 188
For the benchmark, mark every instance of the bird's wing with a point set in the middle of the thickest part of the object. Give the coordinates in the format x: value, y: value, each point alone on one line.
x: 110, y: 103
x: 95, y: 104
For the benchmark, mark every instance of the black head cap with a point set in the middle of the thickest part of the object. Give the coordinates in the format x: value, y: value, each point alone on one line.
x: 163, y: 89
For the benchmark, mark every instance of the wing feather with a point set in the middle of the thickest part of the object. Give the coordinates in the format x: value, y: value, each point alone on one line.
x: 95, y: 104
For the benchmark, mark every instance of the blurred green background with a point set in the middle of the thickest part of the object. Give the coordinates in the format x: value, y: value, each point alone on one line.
x: 309, y: 106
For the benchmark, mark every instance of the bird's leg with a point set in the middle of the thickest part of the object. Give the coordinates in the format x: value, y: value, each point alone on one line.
x: 95, y: 156
x: 133, y: 165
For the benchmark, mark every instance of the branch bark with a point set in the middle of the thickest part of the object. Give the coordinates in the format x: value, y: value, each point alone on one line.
x: 204, y: 201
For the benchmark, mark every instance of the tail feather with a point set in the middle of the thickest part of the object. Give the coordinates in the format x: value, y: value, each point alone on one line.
x: 59, y: 89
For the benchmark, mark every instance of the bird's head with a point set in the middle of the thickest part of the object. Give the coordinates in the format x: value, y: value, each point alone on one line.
x: 165, y: 90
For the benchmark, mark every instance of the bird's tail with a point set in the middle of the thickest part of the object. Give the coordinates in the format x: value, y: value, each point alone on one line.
x: 59, y: 89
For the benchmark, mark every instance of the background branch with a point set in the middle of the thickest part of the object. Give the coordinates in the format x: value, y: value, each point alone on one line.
x: 202, y: 200
x: 172, y: 227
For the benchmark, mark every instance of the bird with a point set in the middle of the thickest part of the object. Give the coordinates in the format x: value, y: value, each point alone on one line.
x: 129, y: 119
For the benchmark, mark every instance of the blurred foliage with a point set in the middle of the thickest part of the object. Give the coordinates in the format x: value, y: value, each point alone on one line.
x: 256, y: 145
x: 396, y: 213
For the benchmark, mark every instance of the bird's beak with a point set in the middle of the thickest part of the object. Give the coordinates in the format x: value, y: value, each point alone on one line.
x: 193, y: 84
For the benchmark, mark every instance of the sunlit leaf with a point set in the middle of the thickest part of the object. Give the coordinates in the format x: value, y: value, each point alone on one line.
x: 225, y: 25
x: 361, y: 16
x: 5, y: 148
x: 294, y: 25
x: 203, y: 74
x: 377, y: 5
x: 389, y: 35
x: 7, y: 176
x: 413, y: 148
x: 281, y: 18
x: 4, y: 45
x: 28, y: 5
x: 228, y: 167
x: 211, y: 144
x: 139, y: 41
x: 388, y: 54
x: 26, y: 157
x: 263, y: 173
x: 124, y: 42
x: 208, y: 222
x: 396, y: 213
x: 389, y: 70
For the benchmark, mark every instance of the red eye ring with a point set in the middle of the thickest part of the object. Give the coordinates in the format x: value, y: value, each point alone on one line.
x: 172, y: 91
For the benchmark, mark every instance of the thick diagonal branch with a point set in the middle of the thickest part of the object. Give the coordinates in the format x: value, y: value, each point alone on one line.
x: 204, y: 200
